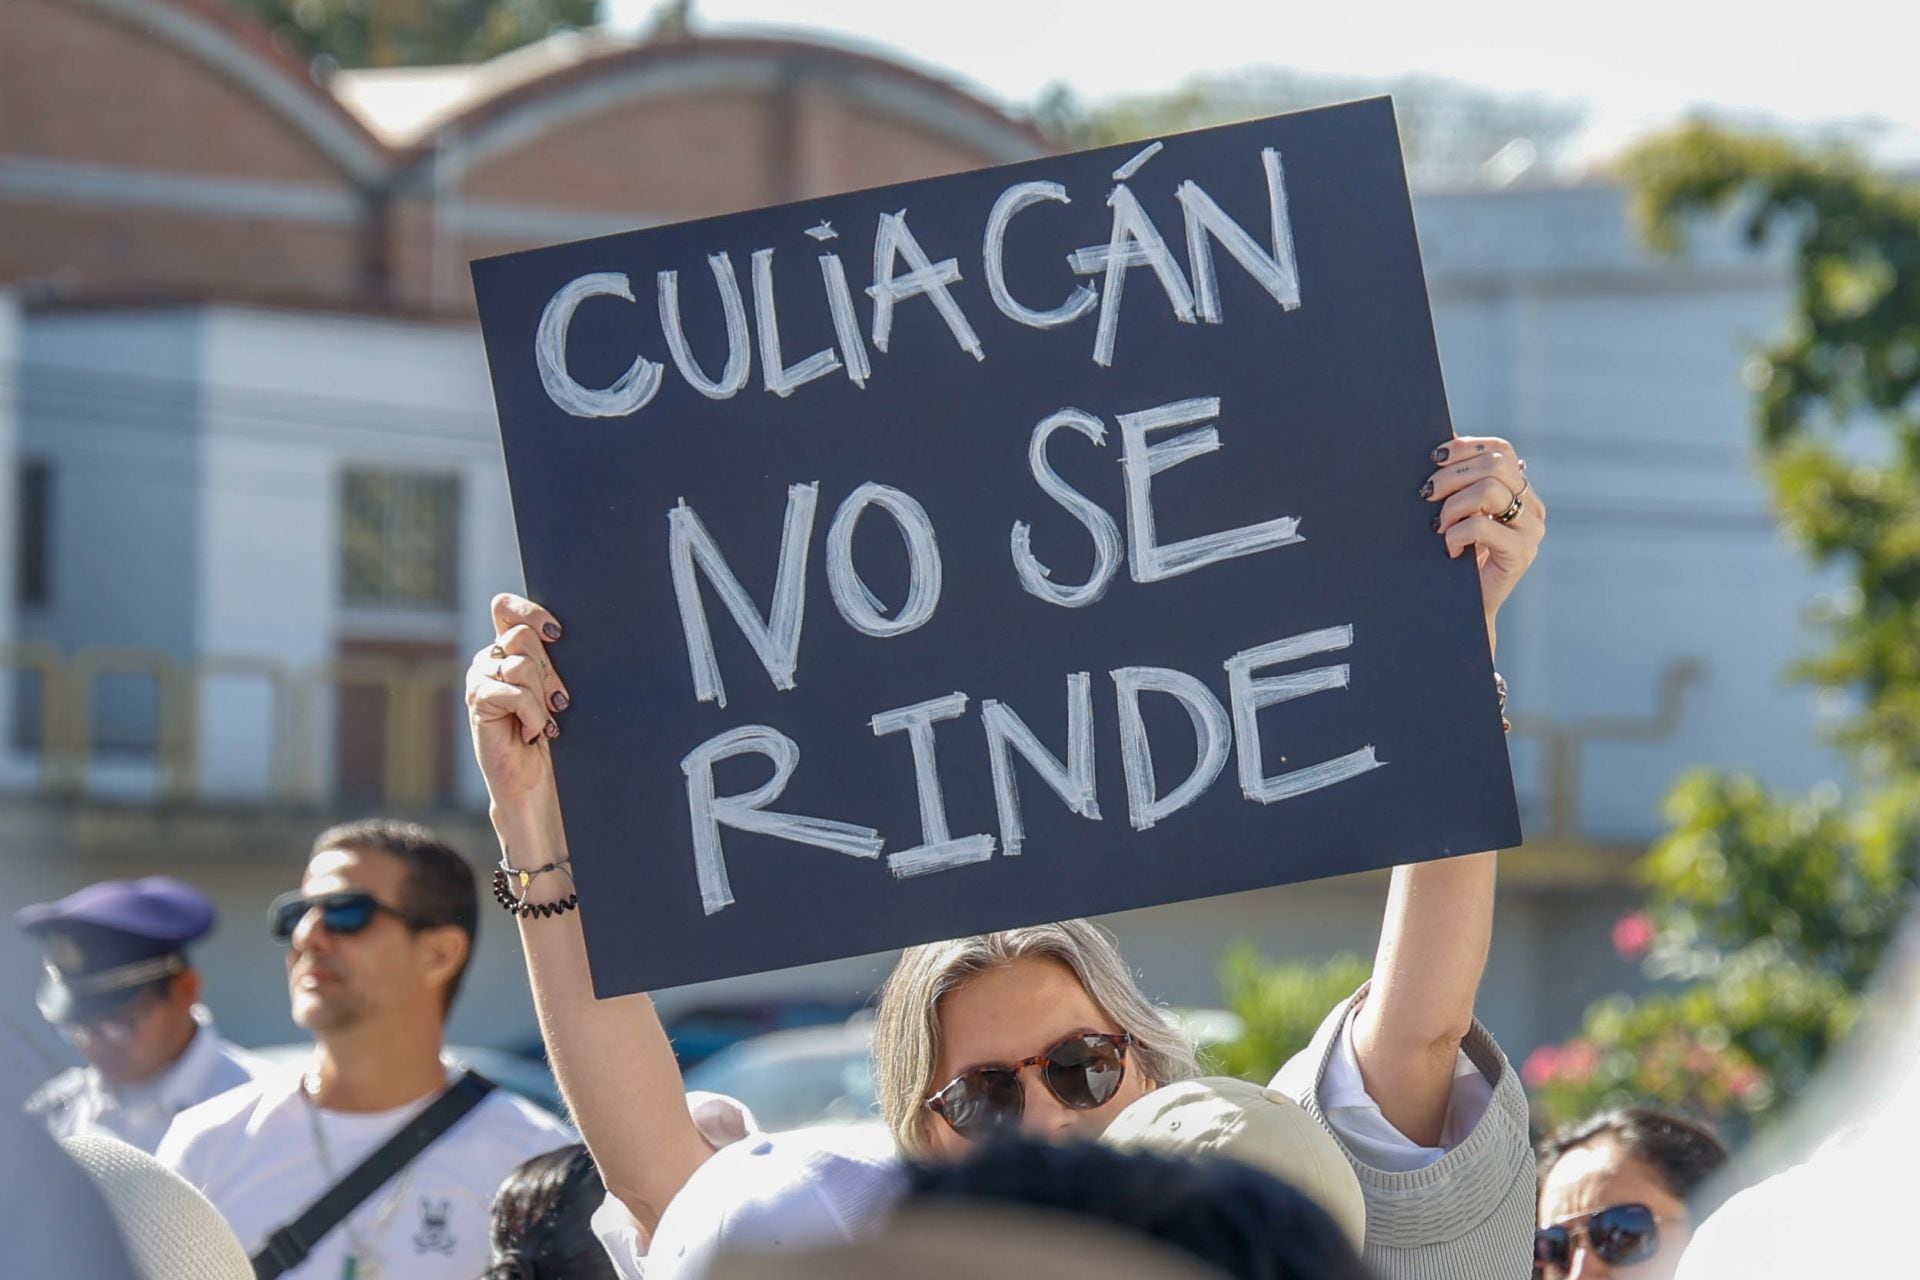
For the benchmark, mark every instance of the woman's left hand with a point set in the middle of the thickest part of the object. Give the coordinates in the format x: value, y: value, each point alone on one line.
x: 1487, y: 505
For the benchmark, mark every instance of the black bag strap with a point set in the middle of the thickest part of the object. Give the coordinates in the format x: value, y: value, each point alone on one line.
x: 288, y: 1247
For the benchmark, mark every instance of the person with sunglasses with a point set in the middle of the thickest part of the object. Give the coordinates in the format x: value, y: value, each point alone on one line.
x: 378, y: 936
x: 1616, y: 1193
x: 117, y: 983
x: 1041, y: 1031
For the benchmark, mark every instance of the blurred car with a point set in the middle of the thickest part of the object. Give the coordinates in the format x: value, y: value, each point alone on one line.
x: 797, y: 1078
x: 530, y: 1078
x: 824, y: 1075
x: 700, y: 1032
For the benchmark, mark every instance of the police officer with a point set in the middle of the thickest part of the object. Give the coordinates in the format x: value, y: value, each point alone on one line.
x: 118, y: 985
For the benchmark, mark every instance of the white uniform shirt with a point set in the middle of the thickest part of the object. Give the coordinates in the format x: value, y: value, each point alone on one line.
x: 828, y: 1185
x: 81, y: 1102
x: 254, y: 1153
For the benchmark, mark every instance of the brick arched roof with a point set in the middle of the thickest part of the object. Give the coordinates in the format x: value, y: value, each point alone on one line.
x: 518, y: 114
x: 239, y: 49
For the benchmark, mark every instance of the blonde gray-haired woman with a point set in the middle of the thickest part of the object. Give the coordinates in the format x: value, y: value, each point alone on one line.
x: 1042, y: 1030
x: 922, y: 991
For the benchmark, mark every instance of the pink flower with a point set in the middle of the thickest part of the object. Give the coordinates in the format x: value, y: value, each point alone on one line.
x: 1578, y: 1060
x: 1541, y: 1066
x: 1743, y: 1081
x: 1633, y: 935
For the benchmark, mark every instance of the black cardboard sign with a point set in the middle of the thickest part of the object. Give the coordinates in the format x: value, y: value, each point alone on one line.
x: 1029, y: 543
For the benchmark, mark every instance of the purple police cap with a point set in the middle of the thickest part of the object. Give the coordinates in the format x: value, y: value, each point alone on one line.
x: 157, y: 909
x: 109, y: 941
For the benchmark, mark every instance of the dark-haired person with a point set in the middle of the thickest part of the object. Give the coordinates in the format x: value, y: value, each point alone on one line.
x: 1616, y: 1194
x: 116, y: 981
x: 378, y: 935
x: 1239, y: 1220
x: 543, y: 1220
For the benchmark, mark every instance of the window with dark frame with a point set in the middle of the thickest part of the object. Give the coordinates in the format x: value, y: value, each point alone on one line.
x: 399, y: 539
x: 33, y: 536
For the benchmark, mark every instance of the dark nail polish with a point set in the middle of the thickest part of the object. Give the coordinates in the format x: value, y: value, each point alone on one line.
x: 553, y: 730
x: 559, y: 700
x: 1426, y: 490
x: 551, y: 630
x: 1436, y: 524
x: 1440, y: 454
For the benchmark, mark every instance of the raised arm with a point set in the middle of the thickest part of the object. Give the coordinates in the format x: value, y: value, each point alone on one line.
x: 1439, y: 920
x: 611, y: 1057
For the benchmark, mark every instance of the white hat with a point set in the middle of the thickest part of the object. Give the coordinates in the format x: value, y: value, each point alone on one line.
x: 1221, y: 1116
x: 172, y: 1232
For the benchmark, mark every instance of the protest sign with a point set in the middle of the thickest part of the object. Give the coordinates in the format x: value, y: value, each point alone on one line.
x: 1022, y: 544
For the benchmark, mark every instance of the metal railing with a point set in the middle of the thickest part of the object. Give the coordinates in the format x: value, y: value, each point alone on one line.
x: 1565, y: 740
x: 418, y: 707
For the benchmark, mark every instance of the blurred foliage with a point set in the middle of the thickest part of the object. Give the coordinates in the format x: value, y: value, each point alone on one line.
x: 1836, y: 400
x: 1451, y: 132
x: 1821, y: 883
x: 412, y: 33
x: 1280, y: 1004
x: 1774, y: 911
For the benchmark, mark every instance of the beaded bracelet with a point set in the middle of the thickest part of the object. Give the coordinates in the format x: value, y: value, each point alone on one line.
x: 1500, y: 687
x: 503, y: 880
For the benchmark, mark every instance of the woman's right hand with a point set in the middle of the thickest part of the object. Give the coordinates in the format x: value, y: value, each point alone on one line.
x: 514, y: 699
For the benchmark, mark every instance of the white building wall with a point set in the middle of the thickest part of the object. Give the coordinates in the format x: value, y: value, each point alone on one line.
x: 109, y: 402
x: 1618, y: 374
x: 293, y: 401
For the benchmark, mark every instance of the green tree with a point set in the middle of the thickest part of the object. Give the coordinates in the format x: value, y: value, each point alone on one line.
x: 400, y: 33
x: 1448, y: 130
x: 1774, y: 910
x: 1280, y: 1006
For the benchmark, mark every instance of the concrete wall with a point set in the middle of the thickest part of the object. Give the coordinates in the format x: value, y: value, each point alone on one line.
x: 1550, y: 956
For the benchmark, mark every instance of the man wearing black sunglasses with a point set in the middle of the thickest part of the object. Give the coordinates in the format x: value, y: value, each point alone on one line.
x: 378, y: 936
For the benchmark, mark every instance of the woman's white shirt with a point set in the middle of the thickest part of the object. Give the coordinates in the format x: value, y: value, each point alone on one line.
x: 1365, y: 1129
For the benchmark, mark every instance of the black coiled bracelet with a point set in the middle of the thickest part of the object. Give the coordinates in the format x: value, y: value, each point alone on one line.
x: 504, y: 876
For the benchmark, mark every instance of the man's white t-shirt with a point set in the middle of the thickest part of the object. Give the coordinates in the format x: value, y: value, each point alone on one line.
x: 253, y: 1152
